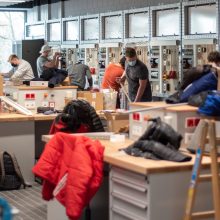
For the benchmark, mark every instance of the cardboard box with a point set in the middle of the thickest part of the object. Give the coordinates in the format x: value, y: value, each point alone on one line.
x: 116, y: 121
x: 94, y: 98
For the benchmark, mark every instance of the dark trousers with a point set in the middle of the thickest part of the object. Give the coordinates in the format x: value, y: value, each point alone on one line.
x: 54, y: 76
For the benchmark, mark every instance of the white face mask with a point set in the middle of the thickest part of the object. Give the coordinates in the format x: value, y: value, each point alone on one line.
x: 132, y: 63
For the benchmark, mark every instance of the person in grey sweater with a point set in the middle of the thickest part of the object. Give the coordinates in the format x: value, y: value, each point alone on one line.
x: 21, y: 69
x: 78, y: 73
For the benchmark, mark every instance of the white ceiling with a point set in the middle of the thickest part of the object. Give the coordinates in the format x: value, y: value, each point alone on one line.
x: 4, y: 3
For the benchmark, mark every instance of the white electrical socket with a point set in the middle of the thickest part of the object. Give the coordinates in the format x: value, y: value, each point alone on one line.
x: 52, y: 104
x: 30, y: 105
x: 188, y: 137
x: 137, y: 130
x: 45, y: 104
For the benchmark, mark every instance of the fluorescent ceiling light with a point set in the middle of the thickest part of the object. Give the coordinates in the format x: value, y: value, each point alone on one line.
x: 13, y: 1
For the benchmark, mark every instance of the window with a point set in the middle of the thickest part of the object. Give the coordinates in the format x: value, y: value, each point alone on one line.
x: 72, y: 30
x: 55, y: 31
x: 11, y: 30
x: 36, y: 31
x: 167, y: 22
x: 138, y: 25
x: 202, y: 19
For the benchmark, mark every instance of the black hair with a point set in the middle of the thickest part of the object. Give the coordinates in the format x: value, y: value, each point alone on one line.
x: 75, y: 113
x: 214, y: 57
x: 130, y: 52
x: 122, y: 62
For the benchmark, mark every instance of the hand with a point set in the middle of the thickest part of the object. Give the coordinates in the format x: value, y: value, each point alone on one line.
x: 120, y: 80
x: 57, y: 53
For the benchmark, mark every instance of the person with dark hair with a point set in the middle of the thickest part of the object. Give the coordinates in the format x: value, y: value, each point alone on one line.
x: 214, y: 61
x: 78, y: 72
x: 78, y: 116
x: 21, y: 69
x: 112, y: 72
x: 197, y: 72
x: 198, y: 80
x: 214, y: 58
x: 48, y: 69
x: 136, y: 73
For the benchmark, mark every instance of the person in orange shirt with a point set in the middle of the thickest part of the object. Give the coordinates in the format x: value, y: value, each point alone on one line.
x: 112, y: 72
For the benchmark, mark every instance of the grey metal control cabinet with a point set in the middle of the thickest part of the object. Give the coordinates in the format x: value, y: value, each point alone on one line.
x: 153, y: 196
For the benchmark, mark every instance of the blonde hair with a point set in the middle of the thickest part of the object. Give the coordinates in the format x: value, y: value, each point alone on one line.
x: 12, y: 56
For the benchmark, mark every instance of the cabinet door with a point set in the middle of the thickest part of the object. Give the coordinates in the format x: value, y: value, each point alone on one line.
x: 30, y: 52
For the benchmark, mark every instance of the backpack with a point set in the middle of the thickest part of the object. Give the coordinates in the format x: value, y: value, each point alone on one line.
x: 10, y: 173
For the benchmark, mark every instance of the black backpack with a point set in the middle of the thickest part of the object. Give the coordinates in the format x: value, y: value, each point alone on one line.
x: 10, y: 173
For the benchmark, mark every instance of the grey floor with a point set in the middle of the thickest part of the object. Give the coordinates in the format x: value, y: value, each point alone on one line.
x: 28, y: 201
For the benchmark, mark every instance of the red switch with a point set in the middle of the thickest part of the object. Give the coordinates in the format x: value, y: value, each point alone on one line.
x: 27, y: 96
x: 196, y: 121
x: 190, y: 122
x: 134, y: 116
x: 32, y: 96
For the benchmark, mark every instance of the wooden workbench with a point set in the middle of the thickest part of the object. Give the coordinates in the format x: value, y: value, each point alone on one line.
x: 44, y: 87
x: 113, y: 156
x: 166, y: 106
x: 9, y: 117
x: 137, y: 184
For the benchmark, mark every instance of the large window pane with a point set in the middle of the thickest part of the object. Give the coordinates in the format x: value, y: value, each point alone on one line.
x: 36, y: 31
x: 55, y: 31
x: 167, y: 22
x: 202, y: 19
x: 72, y: 30
x: 138, y: 25
x: 11, y: 30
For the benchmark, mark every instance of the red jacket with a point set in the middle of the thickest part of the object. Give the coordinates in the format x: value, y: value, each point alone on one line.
x: 72, y: 170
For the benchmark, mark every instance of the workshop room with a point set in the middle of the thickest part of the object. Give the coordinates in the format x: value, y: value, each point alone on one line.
x: 109, y: 109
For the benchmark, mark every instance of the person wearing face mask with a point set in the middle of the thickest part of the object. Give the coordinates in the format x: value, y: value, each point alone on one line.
x: 48, y: 69
x: 21, y: 69
x: 136, y: 74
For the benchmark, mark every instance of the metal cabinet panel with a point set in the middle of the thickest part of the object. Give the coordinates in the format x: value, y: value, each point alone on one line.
x: 129, y: 177
x: 133, y: 208
x: 129, y: 190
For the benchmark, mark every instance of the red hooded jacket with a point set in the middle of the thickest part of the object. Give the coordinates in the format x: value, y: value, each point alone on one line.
x: 72, y: 170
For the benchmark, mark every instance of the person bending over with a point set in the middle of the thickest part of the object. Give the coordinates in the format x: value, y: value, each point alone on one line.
x: 21, y: 69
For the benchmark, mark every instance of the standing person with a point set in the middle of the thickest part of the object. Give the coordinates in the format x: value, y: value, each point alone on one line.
x: 78, y: 73
x: 112, y: 72
x: 21, y: 69
x: 136, y: 73
x: 48, y: 69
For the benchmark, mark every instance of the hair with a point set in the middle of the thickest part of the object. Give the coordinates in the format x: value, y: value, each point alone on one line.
x: 214, y: 57
x: 122, y: 62
x: 75, y: 113
x: 130, y: 52
x: 12, y: 56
